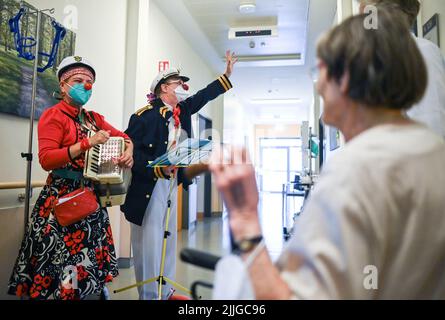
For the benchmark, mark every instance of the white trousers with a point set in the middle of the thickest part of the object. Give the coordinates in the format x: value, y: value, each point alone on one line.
x: 147, y: 241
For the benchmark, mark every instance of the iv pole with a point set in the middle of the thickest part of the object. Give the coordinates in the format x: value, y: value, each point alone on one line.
x: 29, y: 156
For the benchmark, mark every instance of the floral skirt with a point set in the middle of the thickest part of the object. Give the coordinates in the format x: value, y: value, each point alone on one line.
x: 65, y: 263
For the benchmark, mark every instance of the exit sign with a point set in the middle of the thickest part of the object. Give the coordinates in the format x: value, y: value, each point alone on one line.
x: 163, y: 65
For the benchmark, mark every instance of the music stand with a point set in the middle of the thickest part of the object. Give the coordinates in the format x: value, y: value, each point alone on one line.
x: 188, y: 152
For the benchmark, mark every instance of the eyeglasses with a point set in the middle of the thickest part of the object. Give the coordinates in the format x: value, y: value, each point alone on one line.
x: 314, y: 72
x: 178, y: 82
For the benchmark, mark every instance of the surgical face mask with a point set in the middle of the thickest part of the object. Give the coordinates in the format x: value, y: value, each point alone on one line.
x: 79, y: 94
x: 181, y: 94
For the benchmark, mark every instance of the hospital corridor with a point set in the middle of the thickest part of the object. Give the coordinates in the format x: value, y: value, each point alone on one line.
x: 222, y: 150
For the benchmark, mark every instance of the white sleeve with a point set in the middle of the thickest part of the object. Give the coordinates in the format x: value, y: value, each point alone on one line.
x: 331, y: 243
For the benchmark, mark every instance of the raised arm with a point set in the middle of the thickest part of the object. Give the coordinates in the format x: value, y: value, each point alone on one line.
x: 213, y: 90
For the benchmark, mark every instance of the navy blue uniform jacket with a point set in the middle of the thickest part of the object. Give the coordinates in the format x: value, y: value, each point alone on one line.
x: 148, y: 129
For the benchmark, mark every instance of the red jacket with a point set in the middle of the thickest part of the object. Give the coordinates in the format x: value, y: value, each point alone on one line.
x: 56, y: 132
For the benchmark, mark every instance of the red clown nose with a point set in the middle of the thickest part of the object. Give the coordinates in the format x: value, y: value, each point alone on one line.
x: 88, y: 86
x: 185, y: 87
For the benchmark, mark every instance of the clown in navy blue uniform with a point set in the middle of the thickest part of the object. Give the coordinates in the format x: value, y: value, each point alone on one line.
x: 155, y: 129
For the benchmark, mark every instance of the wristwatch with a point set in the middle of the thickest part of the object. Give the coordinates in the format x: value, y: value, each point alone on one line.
x: 248, y: 244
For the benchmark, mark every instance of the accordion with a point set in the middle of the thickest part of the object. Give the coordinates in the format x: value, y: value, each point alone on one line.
x: 112, y: 181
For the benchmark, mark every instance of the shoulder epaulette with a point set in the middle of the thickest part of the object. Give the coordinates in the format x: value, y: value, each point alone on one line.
x: 142, y: 110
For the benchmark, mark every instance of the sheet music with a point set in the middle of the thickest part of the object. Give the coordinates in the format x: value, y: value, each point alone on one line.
x: 188, y: 152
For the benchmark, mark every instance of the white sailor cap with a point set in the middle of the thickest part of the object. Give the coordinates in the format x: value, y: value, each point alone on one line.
x: 72, y: 62
x: 164, y: 75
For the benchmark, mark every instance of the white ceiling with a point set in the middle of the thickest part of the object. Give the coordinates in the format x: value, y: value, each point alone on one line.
x: 256, y: 86
x: 216, y: 17
x: 274, y: 75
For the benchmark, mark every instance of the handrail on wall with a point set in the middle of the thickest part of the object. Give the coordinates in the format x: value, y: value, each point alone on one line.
x: 20, y: 185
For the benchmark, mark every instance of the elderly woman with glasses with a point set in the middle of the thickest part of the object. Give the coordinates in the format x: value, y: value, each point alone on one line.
x: 372, y: 228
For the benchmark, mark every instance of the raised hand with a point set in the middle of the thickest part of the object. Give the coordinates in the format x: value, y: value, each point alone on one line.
x: 100, y: 137
x: 235, y: 179
x: 126, y: 160
x: 231, y: 59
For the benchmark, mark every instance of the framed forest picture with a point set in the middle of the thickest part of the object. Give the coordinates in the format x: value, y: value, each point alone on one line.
x: 16, y: 73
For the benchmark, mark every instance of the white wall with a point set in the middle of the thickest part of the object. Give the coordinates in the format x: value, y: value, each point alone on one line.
x: 137, y: 64
x: 344, y: 10
x: 100, y: 37
x: 236, y: 121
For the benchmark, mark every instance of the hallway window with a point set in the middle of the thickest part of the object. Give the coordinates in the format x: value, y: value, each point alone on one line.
x: 280, y: 160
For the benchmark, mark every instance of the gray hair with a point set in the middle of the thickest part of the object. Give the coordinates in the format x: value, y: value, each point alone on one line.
x: 384, y: 65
